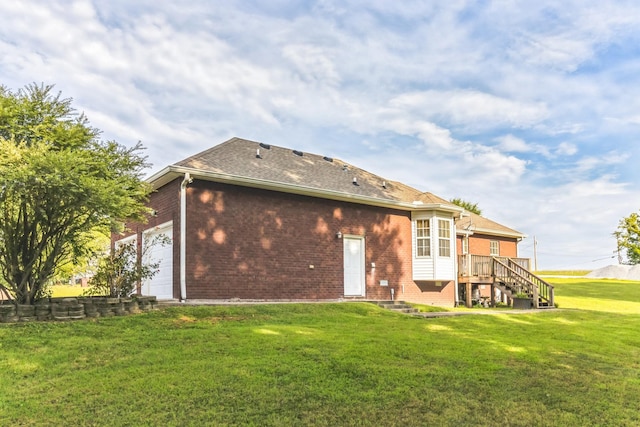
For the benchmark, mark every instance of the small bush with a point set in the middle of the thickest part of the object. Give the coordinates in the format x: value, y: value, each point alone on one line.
x: 119, y: 272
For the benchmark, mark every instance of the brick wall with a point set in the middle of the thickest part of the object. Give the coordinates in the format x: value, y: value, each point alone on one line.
x: 480, y: 244
x: 166, y: 204
x: 257, y: 244
x: 431, y: 293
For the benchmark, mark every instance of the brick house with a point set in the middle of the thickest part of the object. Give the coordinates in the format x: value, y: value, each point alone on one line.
x: 252, y: 221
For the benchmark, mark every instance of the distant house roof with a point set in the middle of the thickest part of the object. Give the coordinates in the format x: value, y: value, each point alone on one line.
x: 254, y: 164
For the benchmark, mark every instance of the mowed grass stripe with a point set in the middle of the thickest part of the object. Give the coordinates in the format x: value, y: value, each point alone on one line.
x: 328, y: 364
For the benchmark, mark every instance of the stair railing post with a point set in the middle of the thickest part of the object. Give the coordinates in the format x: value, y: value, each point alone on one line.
x: 536, y: 301
x: 493, y: 292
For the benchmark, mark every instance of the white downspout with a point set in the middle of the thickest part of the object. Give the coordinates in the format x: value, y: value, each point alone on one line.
x: 183, y: 236
x: 456, y: 267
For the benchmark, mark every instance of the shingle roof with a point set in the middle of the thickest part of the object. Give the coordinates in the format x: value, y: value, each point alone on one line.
x: 283, y: 166
x: 239, y: 157
x: 481, y: 225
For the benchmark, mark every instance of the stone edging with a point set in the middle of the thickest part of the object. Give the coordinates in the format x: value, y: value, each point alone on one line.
x: 75, y: 308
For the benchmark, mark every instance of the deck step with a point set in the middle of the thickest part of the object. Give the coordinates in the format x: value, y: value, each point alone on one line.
x: 397, y: 306
x: 405, y: 310
x: 394, y: 306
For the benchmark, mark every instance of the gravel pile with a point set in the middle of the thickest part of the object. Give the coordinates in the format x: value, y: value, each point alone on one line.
x: 622, y: 272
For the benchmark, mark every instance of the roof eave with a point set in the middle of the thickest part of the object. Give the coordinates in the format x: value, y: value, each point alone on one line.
x: 501, y: 233
x: 170, y: 173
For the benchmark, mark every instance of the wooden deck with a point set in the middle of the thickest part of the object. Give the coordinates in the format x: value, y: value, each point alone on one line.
x: 480, y: 267
x: 510, y: 275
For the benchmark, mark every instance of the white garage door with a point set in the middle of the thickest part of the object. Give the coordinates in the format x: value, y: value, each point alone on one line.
x: 160, y: 250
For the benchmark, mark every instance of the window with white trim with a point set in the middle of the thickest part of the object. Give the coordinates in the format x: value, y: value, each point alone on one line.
x: 423, y: 238
x: 444, y: 238
x: 494, y: 248
x: 465, y: 245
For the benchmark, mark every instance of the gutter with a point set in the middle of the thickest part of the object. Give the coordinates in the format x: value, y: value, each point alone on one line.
x: 490, y: 232
x: 499, y: 233
x: 183, y: 235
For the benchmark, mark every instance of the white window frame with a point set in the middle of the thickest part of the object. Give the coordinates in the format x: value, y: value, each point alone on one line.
x: 465, y: 245
x: 494, y: 248
x: 444, y: 238
x: 425, y: 239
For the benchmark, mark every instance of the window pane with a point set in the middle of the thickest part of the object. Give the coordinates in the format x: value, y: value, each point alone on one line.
x: 422, y: 227
x: 444, y: 235
x: 443, y: 228
x: 423, y: 237
x: 495, y: 248
x: 424, y: 247
x: 444, y: 248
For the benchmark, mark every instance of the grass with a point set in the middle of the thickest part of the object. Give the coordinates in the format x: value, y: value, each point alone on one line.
x: 332, y: 364
x: 576, y: 273
x: 613, y: 296
x: 61, y: 291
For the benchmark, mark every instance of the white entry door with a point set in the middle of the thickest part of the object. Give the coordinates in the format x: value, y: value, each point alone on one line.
x: 354, y: 280
x: 161, y: 284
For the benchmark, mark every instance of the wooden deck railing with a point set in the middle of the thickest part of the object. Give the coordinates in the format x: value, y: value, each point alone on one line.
x: 482, y: 265
x: 518, y: 279
x: 513, y: 273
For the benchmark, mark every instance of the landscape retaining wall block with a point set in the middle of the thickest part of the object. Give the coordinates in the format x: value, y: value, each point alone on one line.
x: 75, y: 308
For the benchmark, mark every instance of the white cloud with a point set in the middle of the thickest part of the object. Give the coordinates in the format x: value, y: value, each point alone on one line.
x: 566, y: 149
x: 530, y: 110
x: 513, y: 144
x: 590, y: 163
x: 472, y: 110
x: 313, y: 64
x: 563, y: 51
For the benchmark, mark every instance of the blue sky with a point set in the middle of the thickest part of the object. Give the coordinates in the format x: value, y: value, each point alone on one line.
x: 530, y: 109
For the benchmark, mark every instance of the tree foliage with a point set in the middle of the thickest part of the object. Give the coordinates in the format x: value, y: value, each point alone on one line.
x: 628, y: 237
x: 98, y: 245
x: 58, y: 182
x: 471, y: 207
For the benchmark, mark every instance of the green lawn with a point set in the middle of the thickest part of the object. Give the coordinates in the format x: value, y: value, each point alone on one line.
x: 576, y: 273
x: 332, y: 364
x: 58, y: 291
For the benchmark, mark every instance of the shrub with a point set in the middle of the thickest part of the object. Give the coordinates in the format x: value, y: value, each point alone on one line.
x: 119, y: 273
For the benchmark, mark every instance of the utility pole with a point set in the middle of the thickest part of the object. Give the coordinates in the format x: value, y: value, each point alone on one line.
x: 535, y: 254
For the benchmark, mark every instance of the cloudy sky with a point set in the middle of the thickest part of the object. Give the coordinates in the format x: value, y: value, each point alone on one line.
x: 529, y: 108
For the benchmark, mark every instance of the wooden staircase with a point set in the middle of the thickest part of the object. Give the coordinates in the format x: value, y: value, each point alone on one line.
x: 511, y: 278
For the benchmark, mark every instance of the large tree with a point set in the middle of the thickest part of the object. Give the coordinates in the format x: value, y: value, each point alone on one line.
x: 628, y: 237
x: 58, y: 182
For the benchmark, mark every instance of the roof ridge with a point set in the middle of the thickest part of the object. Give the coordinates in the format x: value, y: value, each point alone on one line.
x: 247, y: 161
x: 208, y: 150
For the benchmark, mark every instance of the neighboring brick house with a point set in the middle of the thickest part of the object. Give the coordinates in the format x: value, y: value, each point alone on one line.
x: 252, y: 221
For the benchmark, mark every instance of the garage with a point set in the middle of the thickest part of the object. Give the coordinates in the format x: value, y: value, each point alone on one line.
x: 158, y: 248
